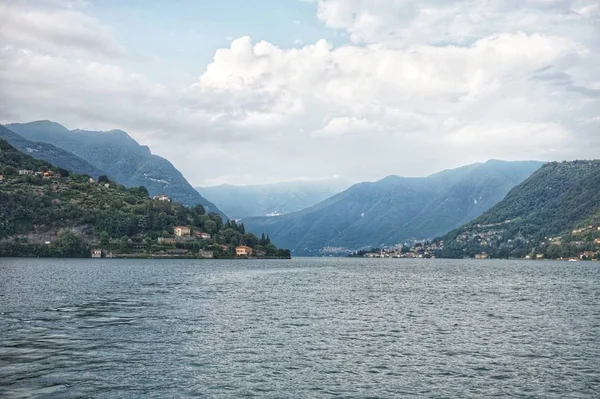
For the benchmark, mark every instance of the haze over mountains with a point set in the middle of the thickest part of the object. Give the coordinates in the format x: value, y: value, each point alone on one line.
x: 120, y: 156
x: 49, y: 153
x: 271, y: 199
x: 396, y: 209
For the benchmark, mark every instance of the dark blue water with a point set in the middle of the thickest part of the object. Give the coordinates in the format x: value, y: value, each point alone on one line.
x: 348, y: 328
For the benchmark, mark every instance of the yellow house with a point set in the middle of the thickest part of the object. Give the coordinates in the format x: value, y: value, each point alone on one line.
x: 181, y: 231
x: 243, y: 250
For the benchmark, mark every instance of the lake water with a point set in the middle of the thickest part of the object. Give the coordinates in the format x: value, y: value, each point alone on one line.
x: 349, y: 328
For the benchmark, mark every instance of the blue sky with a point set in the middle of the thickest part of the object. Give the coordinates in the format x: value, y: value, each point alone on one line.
x: 250, y: 92
x: 181, y: 37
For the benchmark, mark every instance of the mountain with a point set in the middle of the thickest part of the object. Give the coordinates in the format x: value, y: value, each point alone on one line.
x: 58, y: 213
x: 554, y: 213
x: 395, y: 209
x: 120, y: 156
x: 51, y: 154
x: 271, y: 199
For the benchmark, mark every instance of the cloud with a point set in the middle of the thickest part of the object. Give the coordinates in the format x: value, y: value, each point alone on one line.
x: 339, y: 126
x: 57, y: 27
x: 421, y: 86
x: 401, y: 23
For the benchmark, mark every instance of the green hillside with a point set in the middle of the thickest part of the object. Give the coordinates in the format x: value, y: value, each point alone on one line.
x: 554, y: 213
x: 395, y: 209
x: 63, y: 214
x: 120, y: 156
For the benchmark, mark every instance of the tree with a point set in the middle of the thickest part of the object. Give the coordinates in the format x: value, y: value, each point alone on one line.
x: 283, y: 253
x: 124, y: 244
x: 182, y: 216
x: 104, y: 239
x: 215, y: 217
x: 210, y: 226
x: 143, y: 191
x: 250, y: 240
x: 10, y: 171
x: 69, y: 245
x: 271, y: 250
x: 62, y: 172
x: 103, y: 179
x: 198, y: 210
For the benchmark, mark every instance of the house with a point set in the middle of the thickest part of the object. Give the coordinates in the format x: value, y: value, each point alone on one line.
x: 181, y: 231
x: 161, y: 197
x: 596, y: 241
x: 91, y: 180
x: 96, y: 253
x: 26, y: 172
x: 243, y: 250
x: 202, y: 236
x: 482, y: 256
x: 206, y: 254
x: 1, y: 178
x: 107, y: 185
x: 166, y: 240
x: 49, y: 175
x: 588, y: 255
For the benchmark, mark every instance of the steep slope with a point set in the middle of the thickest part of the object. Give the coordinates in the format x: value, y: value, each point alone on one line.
x: 396, y: 209
x: 555, y: 212
x: 271, y: 199
x: 51, y: 154
x: 120, y: 156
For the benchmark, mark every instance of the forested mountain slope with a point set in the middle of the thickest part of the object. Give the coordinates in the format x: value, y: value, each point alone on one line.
x: 396, y: 209
x: 119, y: 155
x: 555, y: 212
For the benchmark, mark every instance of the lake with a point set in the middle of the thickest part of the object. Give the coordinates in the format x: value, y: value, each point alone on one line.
x: 301, y: 328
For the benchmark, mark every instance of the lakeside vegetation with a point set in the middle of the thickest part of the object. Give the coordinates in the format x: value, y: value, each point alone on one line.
x: 554, y: 214
x: 48, y: 211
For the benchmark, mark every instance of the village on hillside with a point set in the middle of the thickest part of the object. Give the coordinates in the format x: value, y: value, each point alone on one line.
x: 185, y: 242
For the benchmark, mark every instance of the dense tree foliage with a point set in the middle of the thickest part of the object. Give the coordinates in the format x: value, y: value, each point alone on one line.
x: 66, y: 214
x: 538, y: 217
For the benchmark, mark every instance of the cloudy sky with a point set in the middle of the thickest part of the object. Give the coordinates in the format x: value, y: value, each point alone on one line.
x: 255, y: 91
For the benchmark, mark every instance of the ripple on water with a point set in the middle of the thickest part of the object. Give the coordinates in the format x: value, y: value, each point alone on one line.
x: 301, y: 328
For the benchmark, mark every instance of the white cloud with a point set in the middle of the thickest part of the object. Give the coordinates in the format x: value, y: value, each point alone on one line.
x: 423, y: 85
x: 408, y: 22
x: 64, y: 30
x: 346, y: 125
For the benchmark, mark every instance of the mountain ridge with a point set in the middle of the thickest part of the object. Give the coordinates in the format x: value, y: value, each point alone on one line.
x: 396, y: 209
x: 121, y: 156
x: 271, y: 199
x: 50, y: 153
x: 553, y: 213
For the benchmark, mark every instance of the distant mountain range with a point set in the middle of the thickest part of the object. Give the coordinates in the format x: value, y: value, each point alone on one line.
x: 554, y: 213
x: 271, y: 199
x: 50, y: 153
x: 119, y: 155
x: 395, y: 209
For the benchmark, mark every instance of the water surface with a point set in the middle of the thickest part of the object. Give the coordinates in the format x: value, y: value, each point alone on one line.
x: 349, y: 328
